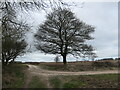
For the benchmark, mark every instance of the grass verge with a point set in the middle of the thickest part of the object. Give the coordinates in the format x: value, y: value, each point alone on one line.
x: 55, y: 82
x: 85, y: 81
x: 13, y: 75
x: 36, y: 82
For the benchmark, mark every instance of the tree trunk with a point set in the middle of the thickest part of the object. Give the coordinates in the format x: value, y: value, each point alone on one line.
x: 64, y: 59
x: 6, y: 61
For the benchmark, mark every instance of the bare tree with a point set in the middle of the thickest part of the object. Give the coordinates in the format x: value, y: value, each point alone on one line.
x: 12, y: 29
x: 13, y: 32
x: 62, y: 33
x: 33, y: 4
x: 57, y: 59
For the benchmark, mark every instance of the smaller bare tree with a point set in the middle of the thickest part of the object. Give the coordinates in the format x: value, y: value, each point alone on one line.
x: 13, y: 33
x: 57, y: 59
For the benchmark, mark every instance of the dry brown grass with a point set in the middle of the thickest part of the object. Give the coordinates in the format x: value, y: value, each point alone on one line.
x: 79, y: 65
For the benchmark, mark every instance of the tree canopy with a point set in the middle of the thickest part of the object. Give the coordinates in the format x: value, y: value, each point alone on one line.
x: 13, y: 32
x: 62, y: 33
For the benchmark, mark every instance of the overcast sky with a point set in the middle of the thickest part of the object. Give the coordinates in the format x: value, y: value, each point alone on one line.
x: 102, y: 15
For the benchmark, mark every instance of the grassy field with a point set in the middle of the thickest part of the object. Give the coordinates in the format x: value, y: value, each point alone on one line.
x: 81, y: 81
x: 81, y: 66
x: 86, y: 81
x: 36, y: 82
x: 13, y: 75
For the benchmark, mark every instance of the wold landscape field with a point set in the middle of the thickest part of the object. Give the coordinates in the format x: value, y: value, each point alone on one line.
x: 59, y: 44
x: 82, y: 74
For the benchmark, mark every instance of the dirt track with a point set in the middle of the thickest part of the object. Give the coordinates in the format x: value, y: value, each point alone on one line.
x: 38, y: 71
x: 34, y: 70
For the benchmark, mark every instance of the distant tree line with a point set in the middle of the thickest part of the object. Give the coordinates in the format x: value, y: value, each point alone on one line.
x: 109, y: 59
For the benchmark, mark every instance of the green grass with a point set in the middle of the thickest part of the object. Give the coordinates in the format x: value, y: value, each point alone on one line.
x: 85, y: 81
x: 36, y: 82
x: 106, y: 76
x: 74, y: 84
x: 55, y: 82
x: 13, y: 76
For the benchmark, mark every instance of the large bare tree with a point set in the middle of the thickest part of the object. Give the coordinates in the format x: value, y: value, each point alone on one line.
x: 62, y: 33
